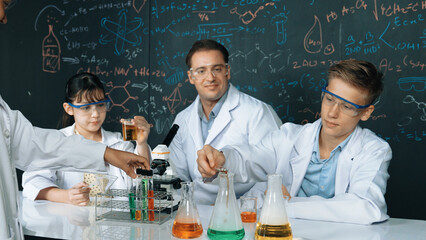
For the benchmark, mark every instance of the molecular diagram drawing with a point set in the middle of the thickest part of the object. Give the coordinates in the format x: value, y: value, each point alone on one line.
x: 273, y: 61
x: 121, y: 32
x: 126, y: 94
x: 174, y: 100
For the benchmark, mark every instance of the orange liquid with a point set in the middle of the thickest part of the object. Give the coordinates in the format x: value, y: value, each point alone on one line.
x: 129, y: 132
x: 151, y: 214
x: 248, y: 217
x: 138, y: 215
x: 186, y: 230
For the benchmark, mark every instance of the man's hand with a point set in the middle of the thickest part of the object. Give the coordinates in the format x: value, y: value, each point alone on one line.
x: 79, y: 194
x: 126, y: 161
x: 209, y: 161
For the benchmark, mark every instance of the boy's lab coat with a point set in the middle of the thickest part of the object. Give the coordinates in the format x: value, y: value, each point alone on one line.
x: 29, y: 148
x: 241, y: 120
x: 361, y: 173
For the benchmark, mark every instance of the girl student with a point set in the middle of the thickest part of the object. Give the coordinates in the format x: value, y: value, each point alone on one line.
x: 85, y: 110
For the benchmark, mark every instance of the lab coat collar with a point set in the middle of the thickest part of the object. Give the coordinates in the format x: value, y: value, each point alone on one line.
x: 303, y: 147
x: 224, y: 116
x: 345, y: 161
x: 302, y: 154
x: 195, y: 125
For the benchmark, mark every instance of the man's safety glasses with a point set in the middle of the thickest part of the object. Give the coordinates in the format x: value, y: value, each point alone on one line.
x: 218, y: 70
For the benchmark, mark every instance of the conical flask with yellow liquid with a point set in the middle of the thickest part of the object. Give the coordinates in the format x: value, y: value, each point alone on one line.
x: 273, y: 221
x: 225, y: 222
x: 187, y: 222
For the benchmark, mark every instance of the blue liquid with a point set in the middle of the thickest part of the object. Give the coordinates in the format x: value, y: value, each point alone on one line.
x: 225, y: 235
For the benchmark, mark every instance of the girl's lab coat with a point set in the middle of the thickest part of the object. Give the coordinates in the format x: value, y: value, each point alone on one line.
x: 29, y: 148
x: 241, y: 120
x: 361, y: 173
x: 35, y: 181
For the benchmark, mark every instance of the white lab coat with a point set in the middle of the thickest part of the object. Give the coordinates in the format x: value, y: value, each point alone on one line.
x: 30, y: 148
x: 34, y: 181
x: 361, y: 173
x: 241, y: 120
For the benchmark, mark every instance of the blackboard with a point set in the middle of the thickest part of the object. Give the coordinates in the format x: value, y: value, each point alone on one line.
x: 279, y: 52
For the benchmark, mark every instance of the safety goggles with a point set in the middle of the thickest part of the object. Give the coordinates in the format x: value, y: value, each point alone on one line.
x: 100, y: 107
x: 218, y: 70
x: 347, y: 107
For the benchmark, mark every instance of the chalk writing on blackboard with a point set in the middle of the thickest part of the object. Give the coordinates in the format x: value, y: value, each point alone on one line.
x: 120, y: 102
x: 122, y: 32
x: 51, y: 52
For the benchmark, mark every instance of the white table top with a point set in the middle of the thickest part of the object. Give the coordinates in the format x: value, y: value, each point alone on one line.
x: 65, y: 221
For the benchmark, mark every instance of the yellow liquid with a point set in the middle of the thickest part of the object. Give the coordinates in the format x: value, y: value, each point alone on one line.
x: 129, y: 132
x: 273, y: 232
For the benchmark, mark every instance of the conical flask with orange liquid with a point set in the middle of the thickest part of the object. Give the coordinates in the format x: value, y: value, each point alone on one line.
x: 273, y: 221
x: 187, y: 222
x: 225, y: 222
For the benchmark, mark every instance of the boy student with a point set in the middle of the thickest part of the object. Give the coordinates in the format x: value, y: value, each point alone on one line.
x: 220, y: 115
x: 333, y: 169
x: 31, y: 148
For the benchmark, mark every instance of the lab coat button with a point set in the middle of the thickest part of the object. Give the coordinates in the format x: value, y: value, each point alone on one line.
x: 6, y: 133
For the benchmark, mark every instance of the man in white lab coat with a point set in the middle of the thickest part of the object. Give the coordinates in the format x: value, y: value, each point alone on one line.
x: 333, y: 169
x: 220, y: 115
x: 29, y: 148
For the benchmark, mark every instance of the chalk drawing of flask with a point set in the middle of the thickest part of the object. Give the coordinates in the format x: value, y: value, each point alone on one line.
x: 51, y: 52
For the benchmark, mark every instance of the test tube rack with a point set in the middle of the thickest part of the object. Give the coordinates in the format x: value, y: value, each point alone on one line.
x: 114, y: 205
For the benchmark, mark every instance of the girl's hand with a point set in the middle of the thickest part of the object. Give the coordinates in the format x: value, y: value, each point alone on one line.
x: 79, y: 194
x: 142, y: 128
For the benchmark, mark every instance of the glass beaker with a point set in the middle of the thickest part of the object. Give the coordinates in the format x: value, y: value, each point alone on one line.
x: 248, y: 209
x: 187, y: 222
x: 225, y: 222
x: 273, y: 221
x: 129, y: 130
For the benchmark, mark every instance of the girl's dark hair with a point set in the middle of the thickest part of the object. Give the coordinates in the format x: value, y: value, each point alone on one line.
x: 82, y: 86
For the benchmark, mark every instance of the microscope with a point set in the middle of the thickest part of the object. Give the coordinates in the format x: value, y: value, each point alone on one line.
x: 164, y: 178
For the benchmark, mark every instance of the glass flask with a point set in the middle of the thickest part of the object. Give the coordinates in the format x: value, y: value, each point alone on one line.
x: 187, y: 222
x: 273, y: 221
x: 225, y: 222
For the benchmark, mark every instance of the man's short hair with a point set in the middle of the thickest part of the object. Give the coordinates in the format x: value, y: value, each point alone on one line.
x: 205, y: 45
x: 361, y: 74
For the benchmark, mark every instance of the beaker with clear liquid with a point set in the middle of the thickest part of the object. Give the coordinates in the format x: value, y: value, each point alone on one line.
x: 273, y: 221
x: 187, y: 223
x: 225, y: 222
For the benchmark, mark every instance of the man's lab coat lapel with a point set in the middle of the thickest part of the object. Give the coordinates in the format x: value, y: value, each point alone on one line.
x: 224, y: 116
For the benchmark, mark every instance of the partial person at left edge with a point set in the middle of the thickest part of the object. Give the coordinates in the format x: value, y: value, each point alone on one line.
x: 30, y: 148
